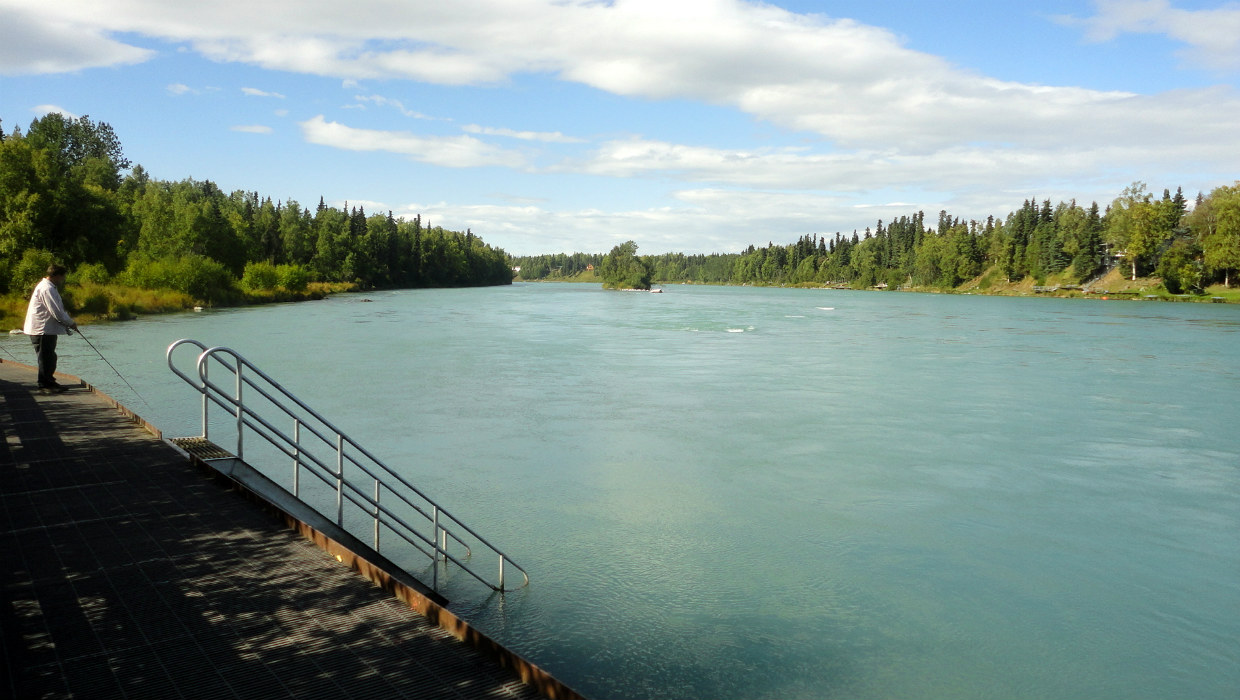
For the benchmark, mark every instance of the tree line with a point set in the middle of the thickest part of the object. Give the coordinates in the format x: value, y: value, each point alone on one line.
x: 65, y: 195
x: 1188, y: 245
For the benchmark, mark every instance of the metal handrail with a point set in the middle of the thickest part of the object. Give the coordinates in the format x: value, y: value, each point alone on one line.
x: 345, y: 451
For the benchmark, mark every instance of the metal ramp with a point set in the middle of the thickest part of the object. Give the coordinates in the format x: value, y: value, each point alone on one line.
x: 328, y: 472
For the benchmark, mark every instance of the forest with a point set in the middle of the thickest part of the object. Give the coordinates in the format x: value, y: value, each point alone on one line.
x: 67, y: 193
x: 1187, y: 246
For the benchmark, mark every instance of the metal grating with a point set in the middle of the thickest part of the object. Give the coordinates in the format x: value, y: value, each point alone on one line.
x: 202, y: 448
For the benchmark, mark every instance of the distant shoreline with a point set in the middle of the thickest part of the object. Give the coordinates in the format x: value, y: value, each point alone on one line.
x: 1147, y: 289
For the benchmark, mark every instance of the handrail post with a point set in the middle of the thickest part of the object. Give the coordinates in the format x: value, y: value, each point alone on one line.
x: 435, y: 543
x: 205, y: 367
x: 240, y: 413
x: 501, y: 572
x: 377, y: 493
x: 297, y: 457
x: 339, y: 479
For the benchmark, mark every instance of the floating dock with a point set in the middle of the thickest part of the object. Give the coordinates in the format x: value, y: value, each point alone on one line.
x: 129, y: 569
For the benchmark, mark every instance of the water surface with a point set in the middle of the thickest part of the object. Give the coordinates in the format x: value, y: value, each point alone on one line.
x: 767, y: 493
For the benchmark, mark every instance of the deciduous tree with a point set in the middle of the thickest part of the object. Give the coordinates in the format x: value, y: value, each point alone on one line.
x: 1217, y: 220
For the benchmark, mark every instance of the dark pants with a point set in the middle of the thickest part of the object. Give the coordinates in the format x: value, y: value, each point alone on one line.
x: 45, y: 348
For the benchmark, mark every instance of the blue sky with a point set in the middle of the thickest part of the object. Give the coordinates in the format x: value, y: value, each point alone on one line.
x: 689, y: 125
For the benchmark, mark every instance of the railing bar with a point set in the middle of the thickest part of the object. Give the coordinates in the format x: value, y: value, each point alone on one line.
x: 275, y: 384
x: 323, y: 473
x: 247, y: 417
x: 361, y: 500
x: 275, y: 435
x: 311, y: 461
x: 341, y: 435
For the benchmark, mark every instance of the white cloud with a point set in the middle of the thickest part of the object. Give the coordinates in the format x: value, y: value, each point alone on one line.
x: 855, y: 85
x: 255, y: 92
x: 252, y: 129
x: 178, y: 89
x: 952, y: 168
x: 32, y: 43
x: 699, y: 221
x: 528, y: 230
x: 364, y: 204
x: 447, y: 151
x: 1212, y: 36
x: 382, y: 101
x: 883, y: 122
x: 43, y: 110
x: 544, y: 136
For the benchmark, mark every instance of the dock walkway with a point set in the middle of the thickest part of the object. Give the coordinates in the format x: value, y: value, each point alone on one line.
x: 128, y: 572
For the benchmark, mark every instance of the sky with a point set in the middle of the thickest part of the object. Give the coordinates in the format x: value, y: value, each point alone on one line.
x: 695, y: 126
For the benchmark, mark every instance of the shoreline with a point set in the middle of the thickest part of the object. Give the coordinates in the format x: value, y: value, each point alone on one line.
x: 1146, y: 291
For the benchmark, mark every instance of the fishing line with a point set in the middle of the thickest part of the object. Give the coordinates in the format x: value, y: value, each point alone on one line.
x: 118, y: 373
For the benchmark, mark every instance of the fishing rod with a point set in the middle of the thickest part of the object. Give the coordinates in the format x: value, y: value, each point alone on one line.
x: 118, y: 373
x: 9, y: 352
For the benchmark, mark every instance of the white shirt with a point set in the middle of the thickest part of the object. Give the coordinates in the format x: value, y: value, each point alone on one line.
x: 46, y: 314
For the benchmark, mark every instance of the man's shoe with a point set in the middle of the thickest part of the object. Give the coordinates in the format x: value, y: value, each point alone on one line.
x: 46, y: 390
x: 60, y: 388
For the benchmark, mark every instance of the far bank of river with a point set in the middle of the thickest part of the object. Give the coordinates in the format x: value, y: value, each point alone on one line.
x: 93, y: 304
x: 1111, y: 287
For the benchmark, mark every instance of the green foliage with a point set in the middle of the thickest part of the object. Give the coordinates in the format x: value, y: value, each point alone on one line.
x: 1136, y: 225
x: 294, y: 278
x: 62, y: 192
x: 64, y: 196
x: 263, y: 276
x: 90, y: 300
x: 1217, y: 221
x: 57, y: 191
x: 260, y: 275
x: 30, y: 269
x: 561, y: 266
x: 622, y: 269
x: 199, y: 277
x: 76, y: 142
x: 1180, y: 267
x: 89, y: 273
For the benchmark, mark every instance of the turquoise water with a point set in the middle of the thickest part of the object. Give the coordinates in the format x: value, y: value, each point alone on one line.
x: 767, y: 493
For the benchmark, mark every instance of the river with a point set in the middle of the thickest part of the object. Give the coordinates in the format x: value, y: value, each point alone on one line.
x: 775, y: 493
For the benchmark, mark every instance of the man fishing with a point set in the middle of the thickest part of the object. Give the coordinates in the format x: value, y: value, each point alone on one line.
x: 46, y: 319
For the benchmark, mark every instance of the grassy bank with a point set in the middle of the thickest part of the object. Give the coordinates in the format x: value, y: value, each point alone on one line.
x: 586, y: 277
x: 1113, y: 285
x: 94, y: 303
